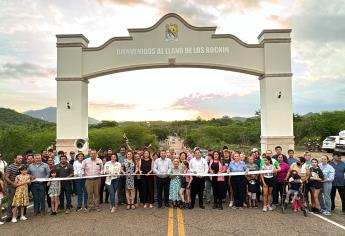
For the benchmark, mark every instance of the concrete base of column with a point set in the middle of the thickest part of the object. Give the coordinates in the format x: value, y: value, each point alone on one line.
x: 270, y: 142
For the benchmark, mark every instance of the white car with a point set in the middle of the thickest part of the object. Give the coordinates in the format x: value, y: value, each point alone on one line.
x: 329, y: 143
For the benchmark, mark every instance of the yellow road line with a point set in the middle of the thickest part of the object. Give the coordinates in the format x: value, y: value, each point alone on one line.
x: 180, y: 223
x: 171, y: 222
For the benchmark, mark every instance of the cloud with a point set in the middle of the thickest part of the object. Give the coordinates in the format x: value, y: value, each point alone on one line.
x: 218, y: 105
x: 25, y: 70
x: 122, y: 2
x: 119, y: 106
x: 320, y: 21
x: 320, y: 95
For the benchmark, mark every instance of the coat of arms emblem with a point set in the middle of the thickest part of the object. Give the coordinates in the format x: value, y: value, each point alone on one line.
x: 171, y: 32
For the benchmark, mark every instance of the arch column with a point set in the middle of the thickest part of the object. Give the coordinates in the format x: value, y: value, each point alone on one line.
x: 276, y: 91
x: 72, y: 92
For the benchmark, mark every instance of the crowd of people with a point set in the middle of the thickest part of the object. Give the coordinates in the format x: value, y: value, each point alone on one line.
x: 142, y: 178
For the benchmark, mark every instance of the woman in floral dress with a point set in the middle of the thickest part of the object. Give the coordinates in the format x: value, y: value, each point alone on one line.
x: 129, y: 168
x: 21, y: 197
x: 175, y: 182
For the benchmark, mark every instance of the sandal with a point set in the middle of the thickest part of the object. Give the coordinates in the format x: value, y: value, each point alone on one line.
x: 129, y: 206
x: 133, y: 206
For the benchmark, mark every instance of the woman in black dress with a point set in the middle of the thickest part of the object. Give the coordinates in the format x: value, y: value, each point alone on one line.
x: 147, y: 180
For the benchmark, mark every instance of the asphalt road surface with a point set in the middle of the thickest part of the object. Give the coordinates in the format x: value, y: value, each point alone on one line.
x: 176, y: 222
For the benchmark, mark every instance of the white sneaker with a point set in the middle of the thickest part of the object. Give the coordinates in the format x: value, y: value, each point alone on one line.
x: 23, y: 218
x: 244, y: 205
x: 326, y: 213
x: 264, y: 208
x: 113, y: 209
x: 14, y: 220
x: 1, y: 223
x: 231, y: 203
x: 270, y: 208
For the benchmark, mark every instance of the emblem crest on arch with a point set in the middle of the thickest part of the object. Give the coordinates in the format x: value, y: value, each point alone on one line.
x: 171, y: 32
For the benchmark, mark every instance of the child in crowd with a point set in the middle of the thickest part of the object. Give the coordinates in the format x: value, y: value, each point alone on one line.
x: 2, y: 193
x: 21, y: 197
x: 252, y: 182
x: 295, y: 187
x: 175, y: 182
x: 54, y: 192
x: 185, y: 186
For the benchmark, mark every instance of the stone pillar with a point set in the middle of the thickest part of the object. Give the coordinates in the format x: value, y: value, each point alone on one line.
x: 72, y: 92
x: 276, y: 91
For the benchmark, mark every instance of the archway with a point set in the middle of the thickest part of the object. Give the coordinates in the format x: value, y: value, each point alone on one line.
x: 170, y: 43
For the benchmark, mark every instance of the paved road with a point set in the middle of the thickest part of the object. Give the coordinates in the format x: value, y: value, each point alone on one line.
x: 176, y: 222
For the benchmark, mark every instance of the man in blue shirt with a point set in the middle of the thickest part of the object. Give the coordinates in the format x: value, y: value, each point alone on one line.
x: 39, y: 169
x: 291, y: 159
x: 339, y: 180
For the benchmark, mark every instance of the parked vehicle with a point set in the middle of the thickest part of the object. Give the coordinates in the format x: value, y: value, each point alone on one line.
x: 340, y: 145
x: 328, y: 145
x: 313, y: 146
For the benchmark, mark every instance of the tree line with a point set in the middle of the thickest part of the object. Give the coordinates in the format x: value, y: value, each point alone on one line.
x: 214, y: 133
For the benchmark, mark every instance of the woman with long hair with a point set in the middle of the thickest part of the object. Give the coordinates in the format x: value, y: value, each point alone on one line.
x: 268, y: 181
x: 218, y: 183
x: 315, y: 184
x: 147, y: 180
x: 129, y: 168
x: 238, y: 182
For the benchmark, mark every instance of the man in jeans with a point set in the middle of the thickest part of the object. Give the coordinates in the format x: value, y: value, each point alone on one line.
x: 93, y: 166
x: 162, y: 168
x: 64, y: 169
x: 339, y: 180
x: 10, y: 176
x: 39, y: 169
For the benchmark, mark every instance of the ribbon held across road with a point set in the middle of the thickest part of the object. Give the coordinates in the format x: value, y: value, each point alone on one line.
x: 188, y: 174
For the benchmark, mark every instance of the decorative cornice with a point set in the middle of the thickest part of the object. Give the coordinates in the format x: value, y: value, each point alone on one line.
x: 70, y: 45
x: 60, y: 36
x: 71, y: 79
x: 222, y: 36
x: 274, y: 31
x: 140, y: 30
x: 276, y: 41
x: 107, y: 43
x: 275, y: 75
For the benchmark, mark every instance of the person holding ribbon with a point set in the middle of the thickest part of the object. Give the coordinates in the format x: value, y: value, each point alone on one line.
x: 93, y: 167
x: 129, y: 168
x: 218, y: 183
x: 80, y: 183
x: 198, y: 165
x: 238, y: 182
x: 162, y: 168
x: 112, y: 167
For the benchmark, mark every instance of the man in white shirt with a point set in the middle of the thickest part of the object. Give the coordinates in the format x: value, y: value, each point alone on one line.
x: 162, y: 168
x: 198, y: 165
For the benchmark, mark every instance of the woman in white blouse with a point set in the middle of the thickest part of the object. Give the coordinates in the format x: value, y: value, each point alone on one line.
x: 80, y: 183
x: 112, y: 167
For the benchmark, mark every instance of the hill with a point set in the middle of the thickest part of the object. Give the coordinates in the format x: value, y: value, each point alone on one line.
x: 49, y: 114
x: 10, y: 118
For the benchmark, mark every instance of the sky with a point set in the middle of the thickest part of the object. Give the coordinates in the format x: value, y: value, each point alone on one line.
x: 28, y: 56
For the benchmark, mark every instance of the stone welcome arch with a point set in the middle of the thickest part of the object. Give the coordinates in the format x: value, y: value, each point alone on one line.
x: 171, y: 43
